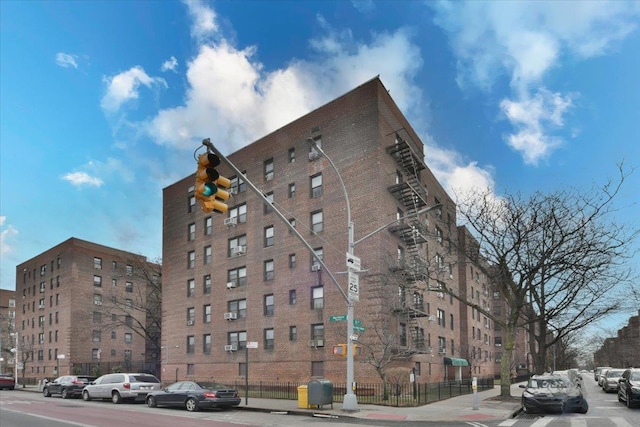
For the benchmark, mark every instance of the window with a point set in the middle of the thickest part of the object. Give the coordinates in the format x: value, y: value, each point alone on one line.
x: 316, y: 186
x: 292, y: 297
x: 128, y: 337
x: 268, y: 236
x: 442, y: 344
x: 268, y: 170
x: 403, y: 334
x: 96, y: 336
x: 95, y: 354
x: 191, y: 259
x: 239, y: 212
x: 439, y: 235
x: 129, y: 270
x: 441, y: 320
x: 97, y: 263
x: 293, y: 333
x: 317, y: 369
x: 497, y: 341
x: 208, y: 226
x: 269, y: 339
x: 239, y: 242
x: 206, y: 313
x: 191, y: 344
x: 114, y: 282
x: 316, y: 222
x: 238, y: 185
x: 97, y: 281
x: 97, y: 317
x: 191, y: 288
x: 128, y: 287
x: 128, y: 302
x: 239, y: 307
x: 315, y: 265
x: 292, y: 190
x: 313, y: 153
x: 268, y: 270
x: 191, y: 315
x: 206, y: 343
x: 451, y: 321
x: 268, y: 305
x: 237, y: 276
x: 237, y: 338
x: 292, y: 155
x: 97, y: 299
x: 317, y: 297
x: 191, y: 204
x: 191, y: 232
x: 292, y: 260
x: 206, y: 284
x: 292, y: 222
x: 317, y: 331
x: 418, y: 337
x: 207, y: 255
x: 128, y: 320
x: 267, y: 206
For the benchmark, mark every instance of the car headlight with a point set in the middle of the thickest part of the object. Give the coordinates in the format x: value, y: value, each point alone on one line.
x: 527, y: 394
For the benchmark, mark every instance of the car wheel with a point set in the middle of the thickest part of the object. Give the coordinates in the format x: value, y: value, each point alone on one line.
x: 116, y: 398
x: 620, y: 399
x: 191, y: 404
x: 45, y: 392
x: 64, y: 393
x: 85, y: 396
x: 629, y: 402
x: 584, y: 408
x: 151, y: 402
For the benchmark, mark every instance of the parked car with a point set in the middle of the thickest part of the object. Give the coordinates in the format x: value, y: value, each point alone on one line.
x: 7, y: 382
x: 601, y: 375
x: 67, y: 386
x: 552, y: 393
x: 596, y: 373
x: 119, y: 387
x: 194, y: 395
x: 629, y: 387
x: 610, y: 380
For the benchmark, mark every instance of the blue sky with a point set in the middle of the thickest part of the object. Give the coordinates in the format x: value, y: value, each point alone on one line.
x: 103, y: 103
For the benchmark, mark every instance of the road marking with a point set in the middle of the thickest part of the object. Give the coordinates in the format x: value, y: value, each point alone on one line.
x: 542, y: 422
x: 620, y: 422
x: 507, y: 423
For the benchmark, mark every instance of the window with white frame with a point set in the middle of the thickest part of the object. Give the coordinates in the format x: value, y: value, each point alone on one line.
x: 269, y: 268
x: 316, y: 186
x: 316, y: 222
x: 317, y: 297
x: 268, y: 236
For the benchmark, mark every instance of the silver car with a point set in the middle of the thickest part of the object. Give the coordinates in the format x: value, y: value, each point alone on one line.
x: 119, y: 387
x: 610, y: 380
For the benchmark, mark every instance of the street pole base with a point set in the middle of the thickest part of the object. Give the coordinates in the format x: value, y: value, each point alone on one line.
x: 350, y: 403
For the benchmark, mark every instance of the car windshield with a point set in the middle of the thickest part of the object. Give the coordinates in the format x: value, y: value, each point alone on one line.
x: 547, y: 382
x: 615, y: 373
x: 635, y: 376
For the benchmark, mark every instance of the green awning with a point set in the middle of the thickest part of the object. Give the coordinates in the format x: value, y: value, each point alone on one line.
x: 455, y: 361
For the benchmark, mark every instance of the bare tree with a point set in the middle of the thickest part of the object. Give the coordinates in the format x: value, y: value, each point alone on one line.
x: 560, y: 252
x: 141, y: 310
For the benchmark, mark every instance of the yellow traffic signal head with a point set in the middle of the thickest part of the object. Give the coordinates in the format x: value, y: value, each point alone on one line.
x: 208, y: 184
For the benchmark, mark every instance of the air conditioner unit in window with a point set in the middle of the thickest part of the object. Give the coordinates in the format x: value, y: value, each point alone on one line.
x: 441, y: 295
x: 97, y: 302
x: 230, y: 222
x: 190, y: 322
x: 432, y: 318
x: 230, y: 316
x: 230, y: 347
x: 442, y: 351
x: 316, y: 343
x: 239, y: 250
x: 40, y: 306
x: 313, y: 155
x: 429, y: 349
x: 316, y: 267
x: 231, y: 285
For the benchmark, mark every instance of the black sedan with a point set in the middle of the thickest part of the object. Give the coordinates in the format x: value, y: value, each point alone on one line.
x: 67, y: 386
x: 553, y: 394
x: 194, y: 395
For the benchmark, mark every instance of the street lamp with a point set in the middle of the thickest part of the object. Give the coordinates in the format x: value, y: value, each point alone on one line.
x: 16, y: 352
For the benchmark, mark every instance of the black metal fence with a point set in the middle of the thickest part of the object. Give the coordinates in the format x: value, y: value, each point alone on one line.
x: 404, y: 394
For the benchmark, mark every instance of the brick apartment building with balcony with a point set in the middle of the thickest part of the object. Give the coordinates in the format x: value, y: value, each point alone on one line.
x: 69, y: 310
x: 244, y: 277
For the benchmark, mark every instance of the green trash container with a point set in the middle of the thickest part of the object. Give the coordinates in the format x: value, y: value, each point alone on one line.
x: 320, y: 392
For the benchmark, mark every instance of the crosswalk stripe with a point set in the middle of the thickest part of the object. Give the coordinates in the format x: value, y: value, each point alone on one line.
x: 620, y: 422
x: 507, y: 423
x: 542, y: 422
x: 578, y: 423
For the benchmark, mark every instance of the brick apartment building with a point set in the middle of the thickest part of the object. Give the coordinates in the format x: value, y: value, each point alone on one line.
x: 7, y: 328
x: 623, y: 350
x: 244, y: 277
x: 76, y: 304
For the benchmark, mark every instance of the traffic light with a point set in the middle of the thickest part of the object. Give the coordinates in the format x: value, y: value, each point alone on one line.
x: 210, y: 185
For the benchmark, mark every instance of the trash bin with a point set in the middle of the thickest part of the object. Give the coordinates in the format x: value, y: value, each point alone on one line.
x: 303, y: 397
x: 320, y: 392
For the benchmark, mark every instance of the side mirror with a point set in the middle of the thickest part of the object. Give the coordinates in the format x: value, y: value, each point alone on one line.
x: 522, y: 386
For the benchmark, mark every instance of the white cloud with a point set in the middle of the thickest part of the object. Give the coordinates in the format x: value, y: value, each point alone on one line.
x: 205, y: 24
x: 7, y: 233
x: 124, y: 87
x: 525, y: 40
x: 66, y: 60
x: 81, y: 179
x: 169, y: 65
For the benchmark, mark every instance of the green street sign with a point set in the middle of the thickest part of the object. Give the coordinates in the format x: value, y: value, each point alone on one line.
x: 340, y: 318
x: 357, y: 322
x: 358, y: 329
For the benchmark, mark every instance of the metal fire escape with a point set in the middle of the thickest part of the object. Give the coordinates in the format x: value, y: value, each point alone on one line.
x: 412, y: 194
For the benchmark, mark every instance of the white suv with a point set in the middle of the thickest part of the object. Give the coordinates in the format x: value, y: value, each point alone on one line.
x: 118, y: 387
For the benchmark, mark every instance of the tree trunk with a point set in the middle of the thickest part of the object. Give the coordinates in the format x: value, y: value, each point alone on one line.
x: 505, y: 361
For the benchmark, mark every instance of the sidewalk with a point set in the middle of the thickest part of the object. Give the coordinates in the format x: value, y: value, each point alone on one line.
x: 460, y: 408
